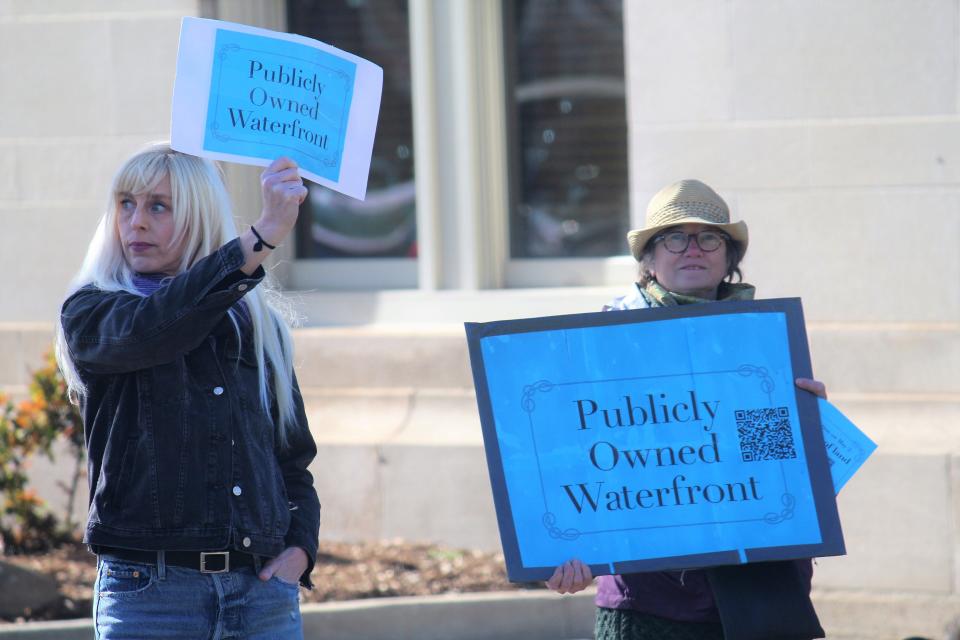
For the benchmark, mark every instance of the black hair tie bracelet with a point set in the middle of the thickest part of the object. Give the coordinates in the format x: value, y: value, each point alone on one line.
x: 261, y: 243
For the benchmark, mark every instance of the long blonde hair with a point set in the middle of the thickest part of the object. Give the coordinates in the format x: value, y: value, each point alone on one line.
x: 203, y: 221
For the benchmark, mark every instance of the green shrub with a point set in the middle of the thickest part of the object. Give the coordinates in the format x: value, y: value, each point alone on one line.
x: 28, y: 429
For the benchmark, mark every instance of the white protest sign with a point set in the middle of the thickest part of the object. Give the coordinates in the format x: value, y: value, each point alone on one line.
x: 250, y: 95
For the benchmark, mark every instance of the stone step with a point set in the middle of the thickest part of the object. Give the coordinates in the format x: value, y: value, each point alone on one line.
x: 869, y: 615
x: 906, y: 423
x: 891, y: 358
x: 904, y: 359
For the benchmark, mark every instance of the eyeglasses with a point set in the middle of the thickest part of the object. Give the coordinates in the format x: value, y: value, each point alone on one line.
x: 678, y: 241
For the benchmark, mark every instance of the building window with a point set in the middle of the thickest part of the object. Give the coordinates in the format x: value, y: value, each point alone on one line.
x: 332, y: 225
x: 568, y: 129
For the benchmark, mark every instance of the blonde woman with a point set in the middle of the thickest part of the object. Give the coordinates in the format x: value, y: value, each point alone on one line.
x: 202, y: 511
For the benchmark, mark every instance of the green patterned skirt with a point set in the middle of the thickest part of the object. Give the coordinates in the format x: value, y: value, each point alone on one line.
x: 624, y: 624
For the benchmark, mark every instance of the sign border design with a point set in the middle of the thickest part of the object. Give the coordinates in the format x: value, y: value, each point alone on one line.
x: 331, y: 159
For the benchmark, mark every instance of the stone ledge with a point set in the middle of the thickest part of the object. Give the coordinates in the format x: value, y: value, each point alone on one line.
x: 902, y: 359
x: 863, y: 359
x: 905, y: 423
x: 881, y: 616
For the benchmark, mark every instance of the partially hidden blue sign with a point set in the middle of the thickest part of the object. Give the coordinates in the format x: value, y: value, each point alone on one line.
x: 847, y: 447
x: 654, y: 439
x: 274, y: 97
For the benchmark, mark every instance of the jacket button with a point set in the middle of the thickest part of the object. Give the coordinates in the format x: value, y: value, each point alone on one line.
x: 246, y: 542
x: 218, y: 391
x: 237, y: 490
x: 241, y: 287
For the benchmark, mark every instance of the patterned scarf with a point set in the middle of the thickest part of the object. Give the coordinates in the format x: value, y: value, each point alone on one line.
x: 657, y: 296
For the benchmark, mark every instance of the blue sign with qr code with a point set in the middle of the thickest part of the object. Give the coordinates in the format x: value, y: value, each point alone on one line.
x: 654, y: 439
x: 271, y: 98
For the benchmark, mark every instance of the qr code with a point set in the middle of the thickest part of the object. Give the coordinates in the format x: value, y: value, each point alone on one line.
x: 765, y: 434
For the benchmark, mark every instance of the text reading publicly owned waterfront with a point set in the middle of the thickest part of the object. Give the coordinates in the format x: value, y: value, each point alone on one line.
x: 260, y: 96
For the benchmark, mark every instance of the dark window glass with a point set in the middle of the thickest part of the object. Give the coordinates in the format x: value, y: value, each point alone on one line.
x: 383, y: 225
x: 568, y: 128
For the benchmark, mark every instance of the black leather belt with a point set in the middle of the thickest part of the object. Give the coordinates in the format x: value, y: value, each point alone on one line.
x: 202, y: 561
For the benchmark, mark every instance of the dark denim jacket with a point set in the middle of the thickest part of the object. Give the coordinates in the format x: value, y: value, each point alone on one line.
x: 181, y: 453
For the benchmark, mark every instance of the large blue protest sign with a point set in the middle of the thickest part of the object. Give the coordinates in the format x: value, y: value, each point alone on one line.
x: 654, y: 439
x: 250, y: 95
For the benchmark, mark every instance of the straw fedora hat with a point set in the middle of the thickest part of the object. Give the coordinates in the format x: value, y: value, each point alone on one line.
x: 687, y: 201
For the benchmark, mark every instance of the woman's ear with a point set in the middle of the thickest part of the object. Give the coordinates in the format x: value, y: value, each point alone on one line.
x: 651, y: 268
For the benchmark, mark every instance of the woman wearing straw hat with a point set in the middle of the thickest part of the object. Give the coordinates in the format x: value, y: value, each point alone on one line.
x: 689, y: 253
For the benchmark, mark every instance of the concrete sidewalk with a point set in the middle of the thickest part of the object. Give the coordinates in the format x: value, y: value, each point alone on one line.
x: 485, y: 616
x: 542, y: 615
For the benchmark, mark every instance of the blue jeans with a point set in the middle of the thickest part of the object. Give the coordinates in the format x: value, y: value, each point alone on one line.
x: 148, y: 601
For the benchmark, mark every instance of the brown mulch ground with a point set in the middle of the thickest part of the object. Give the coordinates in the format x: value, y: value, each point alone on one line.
x: 344, y: 571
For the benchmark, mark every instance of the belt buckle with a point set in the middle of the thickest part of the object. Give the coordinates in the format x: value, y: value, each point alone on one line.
x: 206, y: 554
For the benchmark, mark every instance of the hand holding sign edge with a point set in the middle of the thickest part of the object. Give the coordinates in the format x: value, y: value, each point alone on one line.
x: 815, y: 387
x: 570, y: 577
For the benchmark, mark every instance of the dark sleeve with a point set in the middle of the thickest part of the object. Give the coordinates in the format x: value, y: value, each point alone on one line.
x: 805, y: 572
x: 117, y: 332
x: 304, y: 504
